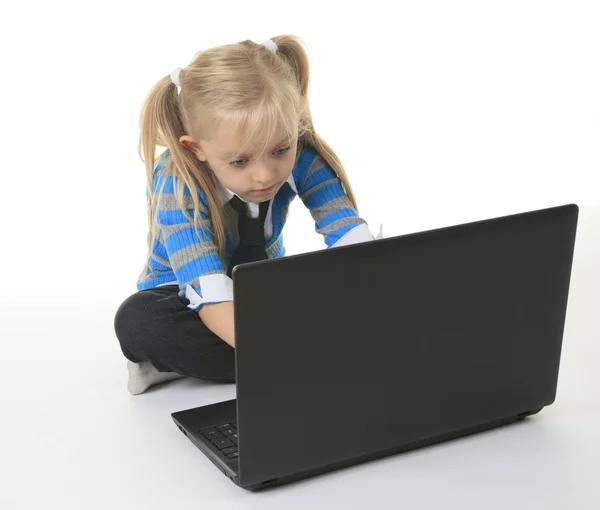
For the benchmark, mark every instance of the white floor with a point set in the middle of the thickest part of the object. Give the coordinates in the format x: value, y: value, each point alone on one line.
x: 72, y: 437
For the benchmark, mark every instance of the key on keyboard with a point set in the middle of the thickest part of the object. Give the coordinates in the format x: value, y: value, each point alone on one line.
x: 224, y: 437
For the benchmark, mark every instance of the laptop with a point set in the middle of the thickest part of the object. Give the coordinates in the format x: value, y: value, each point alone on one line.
x: 353, y: 353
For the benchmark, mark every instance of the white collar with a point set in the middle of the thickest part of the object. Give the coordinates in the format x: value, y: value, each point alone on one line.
x: 225, y: 194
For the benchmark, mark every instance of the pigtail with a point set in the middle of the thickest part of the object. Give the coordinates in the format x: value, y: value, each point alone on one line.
x: 161, y: 124
x: 292, y: 51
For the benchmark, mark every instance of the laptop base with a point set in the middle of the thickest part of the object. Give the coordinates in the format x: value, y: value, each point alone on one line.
x: 191, y: 421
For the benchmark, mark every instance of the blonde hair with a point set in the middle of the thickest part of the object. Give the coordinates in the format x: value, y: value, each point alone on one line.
x: 245, y: 82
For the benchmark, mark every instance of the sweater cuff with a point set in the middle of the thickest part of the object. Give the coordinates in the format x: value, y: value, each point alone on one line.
x: 213, y: 288
x: 358, y: 234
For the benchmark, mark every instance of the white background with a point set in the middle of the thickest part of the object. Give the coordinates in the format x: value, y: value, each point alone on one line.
x: 442, y: 113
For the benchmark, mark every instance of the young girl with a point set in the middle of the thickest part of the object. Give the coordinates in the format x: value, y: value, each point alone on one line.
x: 238, y: 131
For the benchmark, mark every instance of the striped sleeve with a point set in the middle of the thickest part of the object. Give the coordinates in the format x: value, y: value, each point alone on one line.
x: 193, y: 256
x: 320, y: 189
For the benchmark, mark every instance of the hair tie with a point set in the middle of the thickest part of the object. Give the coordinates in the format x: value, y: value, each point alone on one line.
x: 272, y: 45
x: 175, y: 76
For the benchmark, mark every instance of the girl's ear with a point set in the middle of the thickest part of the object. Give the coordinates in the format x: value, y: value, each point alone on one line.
x: 189, y: 143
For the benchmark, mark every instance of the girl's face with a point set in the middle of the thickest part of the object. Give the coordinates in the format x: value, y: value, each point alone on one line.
x: 253, y: 176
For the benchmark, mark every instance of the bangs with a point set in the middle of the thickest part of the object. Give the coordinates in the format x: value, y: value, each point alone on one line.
x: 257, y: 126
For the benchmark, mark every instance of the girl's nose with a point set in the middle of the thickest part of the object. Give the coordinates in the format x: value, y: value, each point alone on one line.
x: 265, y: 175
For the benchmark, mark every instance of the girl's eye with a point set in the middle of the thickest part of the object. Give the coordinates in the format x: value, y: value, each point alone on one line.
x: 284, y: 150
x: 278, y: 152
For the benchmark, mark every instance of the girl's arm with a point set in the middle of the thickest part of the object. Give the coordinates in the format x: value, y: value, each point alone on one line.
x: 218, y: 318
x: 193, y: 257
x: 321, y: 191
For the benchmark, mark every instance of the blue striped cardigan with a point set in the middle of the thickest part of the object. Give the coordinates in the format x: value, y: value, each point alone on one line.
x: 180, y: 257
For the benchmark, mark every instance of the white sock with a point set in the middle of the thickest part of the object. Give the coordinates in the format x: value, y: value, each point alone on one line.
x: 143, y: 375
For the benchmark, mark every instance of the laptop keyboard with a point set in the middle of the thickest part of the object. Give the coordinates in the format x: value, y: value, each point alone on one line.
x: 224, y: 437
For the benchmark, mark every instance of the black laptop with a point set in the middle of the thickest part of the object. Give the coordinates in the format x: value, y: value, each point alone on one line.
x: 357, y: 352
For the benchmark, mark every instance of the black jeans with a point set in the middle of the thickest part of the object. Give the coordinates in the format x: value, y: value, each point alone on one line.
x: 156, y: 325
